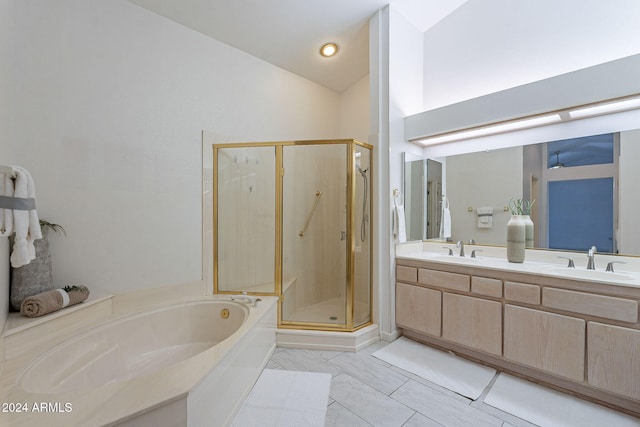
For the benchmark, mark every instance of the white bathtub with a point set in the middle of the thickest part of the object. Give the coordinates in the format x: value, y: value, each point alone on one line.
x: 184, y: 364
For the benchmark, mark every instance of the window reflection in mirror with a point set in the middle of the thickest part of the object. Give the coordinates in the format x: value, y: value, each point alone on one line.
x: 580, y: 198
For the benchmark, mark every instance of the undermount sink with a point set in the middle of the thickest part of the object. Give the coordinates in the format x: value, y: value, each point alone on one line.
x: 590, y: 274
x: 456, y: 258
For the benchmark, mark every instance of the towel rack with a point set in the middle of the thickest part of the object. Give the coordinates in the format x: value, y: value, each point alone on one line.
x: 313, y: 210
x: 11, y: 202
x: 7, y: 170
x: 499, y: 208
x: 397, y: 194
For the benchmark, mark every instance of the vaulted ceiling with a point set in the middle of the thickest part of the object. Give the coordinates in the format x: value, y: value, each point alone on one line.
x: 289, y: 33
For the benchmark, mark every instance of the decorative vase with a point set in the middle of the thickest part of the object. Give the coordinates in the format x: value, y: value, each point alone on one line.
x: 528, y: 231
x: 516, y: 238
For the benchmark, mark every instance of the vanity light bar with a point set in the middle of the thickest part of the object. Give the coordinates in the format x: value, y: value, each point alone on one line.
x: 491, y: 129
x: 606, y: 108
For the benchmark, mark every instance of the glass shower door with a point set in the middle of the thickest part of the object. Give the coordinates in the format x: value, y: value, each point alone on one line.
x: 245, y: 219
x: 314, y: 226
x: 362, y: 236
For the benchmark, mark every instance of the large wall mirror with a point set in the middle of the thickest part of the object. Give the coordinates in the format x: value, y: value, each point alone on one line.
x: 585, y: 192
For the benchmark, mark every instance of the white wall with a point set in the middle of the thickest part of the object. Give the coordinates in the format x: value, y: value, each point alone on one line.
x: 110, y: 103
x: 5, y: 85
x: 5, y: 121
x: 396, y: 81
x: 354, y: 111
x: 487, y: 46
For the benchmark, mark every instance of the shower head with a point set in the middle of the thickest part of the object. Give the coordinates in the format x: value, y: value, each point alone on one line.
x: 362, y: 172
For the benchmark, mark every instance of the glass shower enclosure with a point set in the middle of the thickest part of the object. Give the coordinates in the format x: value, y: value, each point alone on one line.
x: 293, y: 219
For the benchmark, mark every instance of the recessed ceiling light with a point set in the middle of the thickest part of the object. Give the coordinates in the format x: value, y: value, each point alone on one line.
x: 329, y: 49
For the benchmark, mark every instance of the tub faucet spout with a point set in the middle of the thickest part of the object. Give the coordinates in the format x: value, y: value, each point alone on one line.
x: 247, y: 299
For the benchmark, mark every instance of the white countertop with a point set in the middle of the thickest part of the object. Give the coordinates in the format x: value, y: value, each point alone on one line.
x: 537, y: 261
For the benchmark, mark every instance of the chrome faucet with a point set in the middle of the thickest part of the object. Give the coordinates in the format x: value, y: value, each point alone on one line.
x: 460, y: 245
x: 610, y: 265
x: 591, y: 264
x: 570, y: 264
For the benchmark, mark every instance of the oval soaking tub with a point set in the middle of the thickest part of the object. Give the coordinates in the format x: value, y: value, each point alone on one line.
x: 190, y: 363
x: 133, y: 346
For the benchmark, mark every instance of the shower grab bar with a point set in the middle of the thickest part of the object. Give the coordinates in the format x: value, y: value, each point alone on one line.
x: 313, y: 210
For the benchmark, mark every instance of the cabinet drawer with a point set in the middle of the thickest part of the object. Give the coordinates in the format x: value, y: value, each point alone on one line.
x: 486, y: 286
x: 442, y: 279
x: 613, y: 354
x: 625, y: 310
x: 521, y: 292
x: 473, y: 322
x: 406, y: 274
x: 418, y: 308
x: 546, y: 341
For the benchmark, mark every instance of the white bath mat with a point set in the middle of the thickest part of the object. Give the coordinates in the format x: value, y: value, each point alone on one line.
x: 549, y: 408
x: 454, y: 373
x: 286, y: 398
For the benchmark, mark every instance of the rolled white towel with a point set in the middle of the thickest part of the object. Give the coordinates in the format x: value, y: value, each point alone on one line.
x: 25, y: 222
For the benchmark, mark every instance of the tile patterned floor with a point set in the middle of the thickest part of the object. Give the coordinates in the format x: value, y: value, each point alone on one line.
x: 366, y: 391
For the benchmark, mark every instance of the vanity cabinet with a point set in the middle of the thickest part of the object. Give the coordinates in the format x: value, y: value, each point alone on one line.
x: 473, y: 322
x: 576, y: 335
x: 614, y: 358
x: 418, y: 309
x: 551, y: 342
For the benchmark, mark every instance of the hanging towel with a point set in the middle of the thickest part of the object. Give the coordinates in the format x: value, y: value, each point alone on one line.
x: 485, y: 217
x: 24, y: 216
x: 6, y: 214
x: 399, y: 227
x: 445, y: 225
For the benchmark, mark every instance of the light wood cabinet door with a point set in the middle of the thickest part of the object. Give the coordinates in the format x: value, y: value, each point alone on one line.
x: 444, y: 279
x: 473, y: 322
x: 613, y: 355
x: 547, y: 341
x: 418, y: 308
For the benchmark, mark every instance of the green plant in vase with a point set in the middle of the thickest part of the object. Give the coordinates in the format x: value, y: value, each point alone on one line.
x: 44, y: 224
x: 521, y: 206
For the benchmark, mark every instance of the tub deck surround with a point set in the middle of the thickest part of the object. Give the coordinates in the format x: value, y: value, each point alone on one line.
x: 23, y: 335
x: 169, y: 391
x: 577, y: 331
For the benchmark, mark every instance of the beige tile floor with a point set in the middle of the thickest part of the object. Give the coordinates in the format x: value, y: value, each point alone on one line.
x: 366, y: 391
